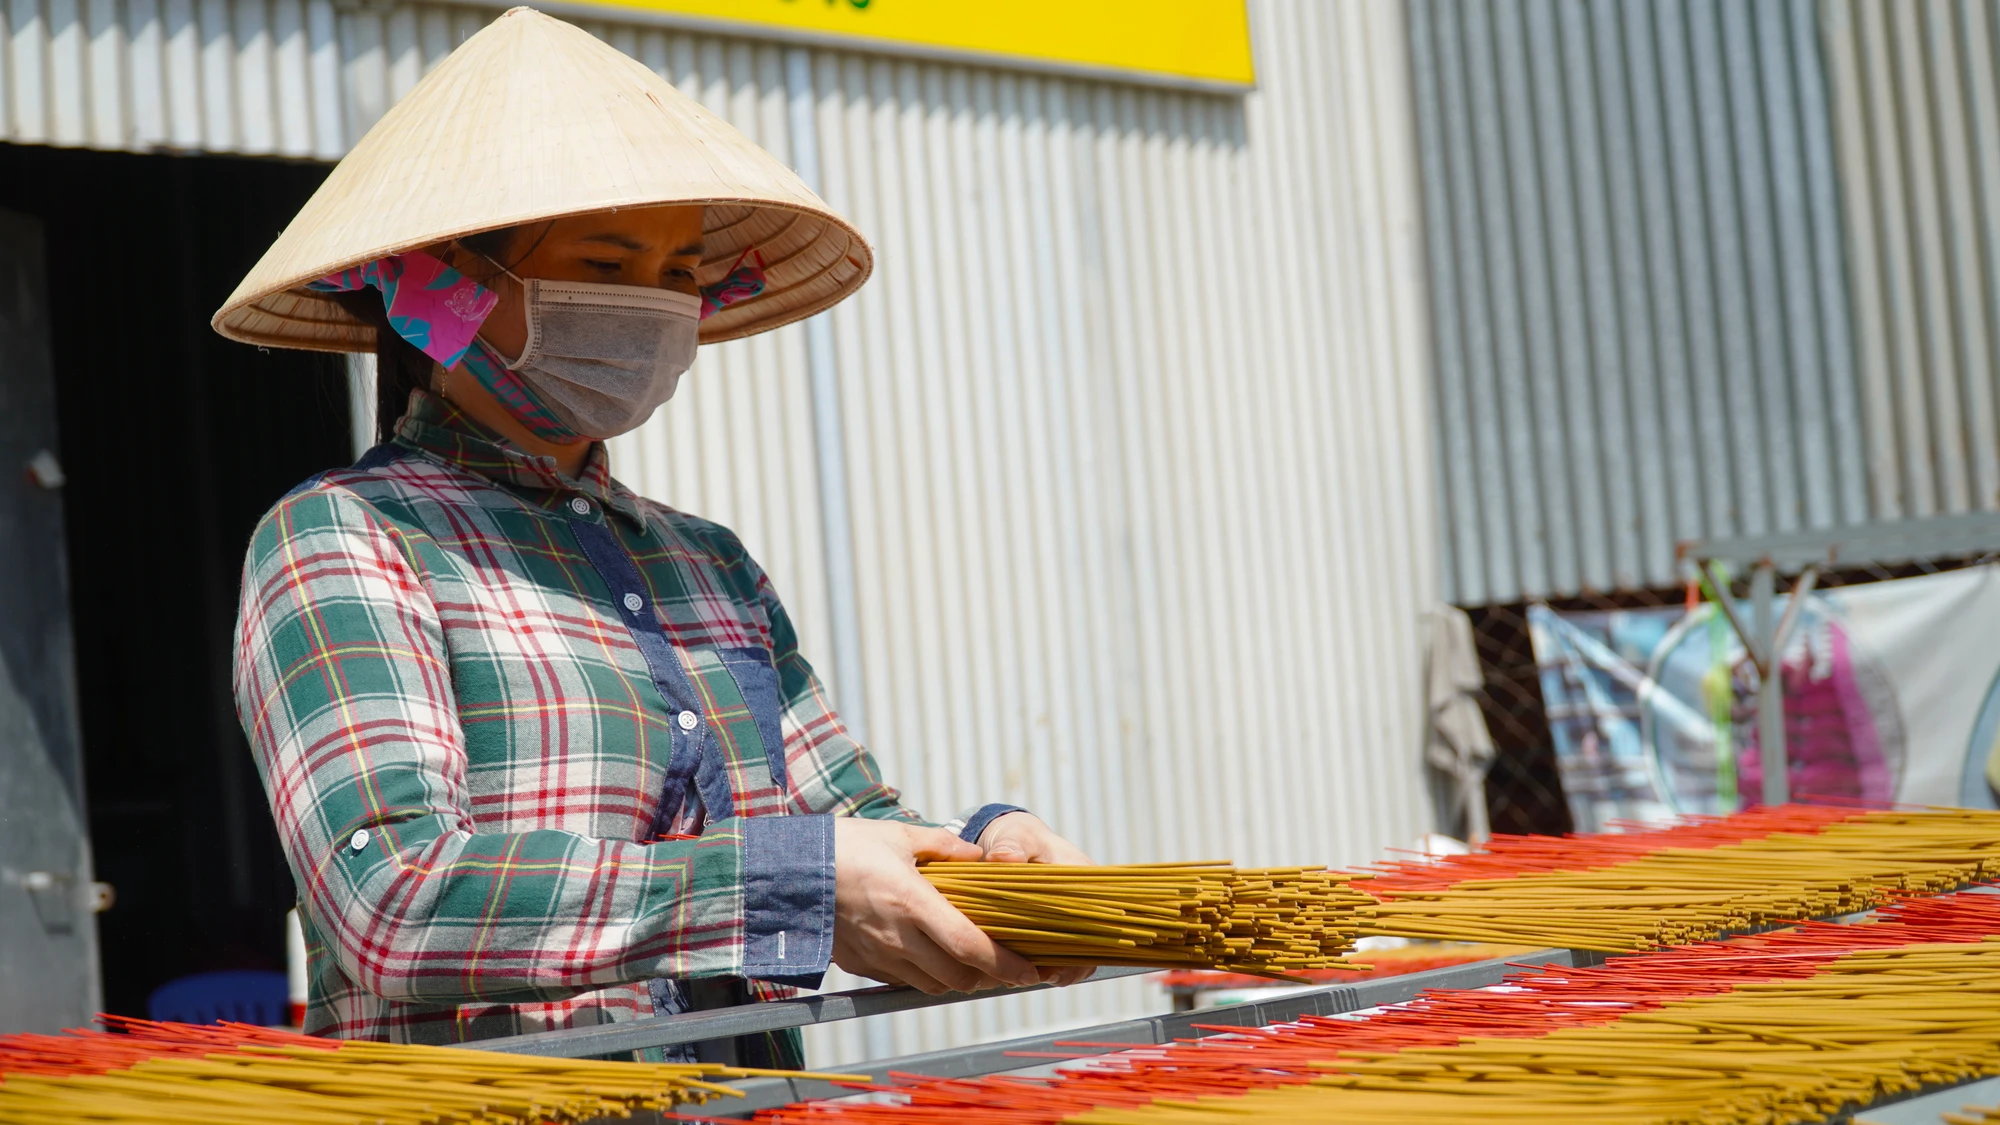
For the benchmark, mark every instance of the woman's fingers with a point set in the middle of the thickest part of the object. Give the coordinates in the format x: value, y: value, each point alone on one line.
x: 909, y: 957
x: 1061, y: 851
x: 937, y: 844
x: 907, y: 973
x: 957, y: 938
x: 885, y: 958
x: 926, y: 956
x: 892, y: 924
x: 1022, y: 837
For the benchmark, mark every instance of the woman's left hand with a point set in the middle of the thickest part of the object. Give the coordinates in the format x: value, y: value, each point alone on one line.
x: 1020, y: 837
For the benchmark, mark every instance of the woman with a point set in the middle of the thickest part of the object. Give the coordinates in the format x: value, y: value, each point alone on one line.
x: 541, y: 752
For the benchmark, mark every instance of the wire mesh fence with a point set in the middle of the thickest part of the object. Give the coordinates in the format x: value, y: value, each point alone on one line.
x: 1524, y: 792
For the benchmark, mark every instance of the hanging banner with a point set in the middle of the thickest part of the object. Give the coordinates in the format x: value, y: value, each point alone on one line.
x: 1892, y: 693
x: 1180, y: 42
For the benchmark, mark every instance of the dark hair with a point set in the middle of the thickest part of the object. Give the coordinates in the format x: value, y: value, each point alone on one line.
x: 400, y: 367
x: 493, y: 243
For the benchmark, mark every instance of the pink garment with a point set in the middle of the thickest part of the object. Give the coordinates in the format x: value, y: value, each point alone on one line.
x: 433, y: 306
x: 1831, y: 741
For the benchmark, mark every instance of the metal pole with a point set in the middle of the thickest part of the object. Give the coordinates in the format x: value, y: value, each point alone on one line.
x: 823, y: 369
x: 361, y: 402
x: 1725, y: 603
x: 610, y: 1040
x: 1770, y: 687
x: 747, y: 1019
x: 1795, y: 605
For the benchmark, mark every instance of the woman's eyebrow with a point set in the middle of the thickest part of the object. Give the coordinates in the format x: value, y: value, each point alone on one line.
x: 691, y: 250
x: 623, y: 242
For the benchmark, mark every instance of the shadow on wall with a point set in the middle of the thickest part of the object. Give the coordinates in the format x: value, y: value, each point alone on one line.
x: 173, y: 441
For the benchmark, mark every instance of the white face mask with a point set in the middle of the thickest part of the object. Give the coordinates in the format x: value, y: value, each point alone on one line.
x: 602, y: 358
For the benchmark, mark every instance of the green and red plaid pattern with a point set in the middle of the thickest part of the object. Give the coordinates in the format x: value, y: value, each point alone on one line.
x: 445, y: 680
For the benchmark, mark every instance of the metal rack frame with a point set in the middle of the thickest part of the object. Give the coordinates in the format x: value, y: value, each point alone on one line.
x: 995, y: 1058
x: 1809, y: 553
x: 988, y: 1058
x: 743, y: 1019
x: 1020, y: 1054
x: 1032, y: 1053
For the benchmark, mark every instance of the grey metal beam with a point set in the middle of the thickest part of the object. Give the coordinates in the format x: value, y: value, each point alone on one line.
x: 1770, y: 684
x: 744, y: 1019
x: 1801, y: 590
x: 994, y: 1058
x: 1751, y: 641
x: 1869, y: 544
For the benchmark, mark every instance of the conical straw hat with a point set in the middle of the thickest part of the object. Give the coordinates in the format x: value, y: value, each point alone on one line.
x: 533, y: 119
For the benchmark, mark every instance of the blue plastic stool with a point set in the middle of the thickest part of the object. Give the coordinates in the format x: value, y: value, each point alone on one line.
x: 241, y: 996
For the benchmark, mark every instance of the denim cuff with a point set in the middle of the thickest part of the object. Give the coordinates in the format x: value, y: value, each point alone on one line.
x: 976, y: 822
x: 787, y: 898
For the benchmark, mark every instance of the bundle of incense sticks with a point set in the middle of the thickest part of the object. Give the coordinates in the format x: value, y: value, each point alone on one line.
x: 1268, y: 921
x: 236, y: 1074
x: 1793, y: 1025
x: 1688, y: 883
x: 1871, y: 1024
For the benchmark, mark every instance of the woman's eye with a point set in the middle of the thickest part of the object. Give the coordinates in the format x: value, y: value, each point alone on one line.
x: 606, y: 267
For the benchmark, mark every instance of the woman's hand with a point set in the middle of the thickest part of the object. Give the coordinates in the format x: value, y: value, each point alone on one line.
x: 1020, y: 837
x: 889, y: 923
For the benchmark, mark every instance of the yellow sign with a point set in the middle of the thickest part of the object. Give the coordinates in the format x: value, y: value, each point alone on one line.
x: 1204, y: 42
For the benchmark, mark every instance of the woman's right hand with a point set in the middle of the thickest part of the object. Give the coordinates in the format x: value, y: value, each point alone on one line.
x: 889, y: 923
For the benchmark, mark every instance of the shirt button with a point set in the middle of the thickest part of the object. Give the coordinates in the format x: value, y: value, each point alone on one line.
x: 633, y: 602
x: 687, y: 720
x: 358, y: 841
x: 580, y: 506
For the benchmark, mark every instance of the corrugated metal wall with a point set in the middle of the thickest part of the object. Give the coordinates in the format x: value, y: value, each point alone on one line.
x: 242, y: 76
x: 1133, y: 409
x: 1702, y: 269
x: 1639, y: 323
x: 1917, y: 130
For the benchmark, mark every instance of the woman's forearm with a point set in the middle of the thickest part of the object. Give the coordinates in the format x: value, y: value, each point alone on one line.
x: 423, y: 912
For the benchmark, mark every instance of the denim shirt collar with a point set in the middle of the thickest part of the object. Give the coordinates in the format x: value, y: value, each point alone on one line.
x: 436, y: 427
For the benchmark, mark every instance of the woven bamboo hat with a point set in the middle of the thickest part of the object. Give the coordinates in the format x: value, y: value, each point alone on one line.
x: 535, y: 119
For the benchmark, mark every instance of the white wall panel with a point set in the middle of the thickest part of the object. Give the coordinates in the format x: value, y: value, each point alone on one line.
x: 1133, y: 408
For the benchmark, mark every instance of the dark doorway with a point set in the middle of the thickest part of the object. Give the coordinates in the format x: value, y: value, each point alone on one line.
x: 173, y: 442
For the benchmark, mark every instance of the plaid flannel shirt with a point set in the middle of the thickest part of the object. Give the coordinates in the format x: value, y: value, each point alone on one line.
x: 479, y: 692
